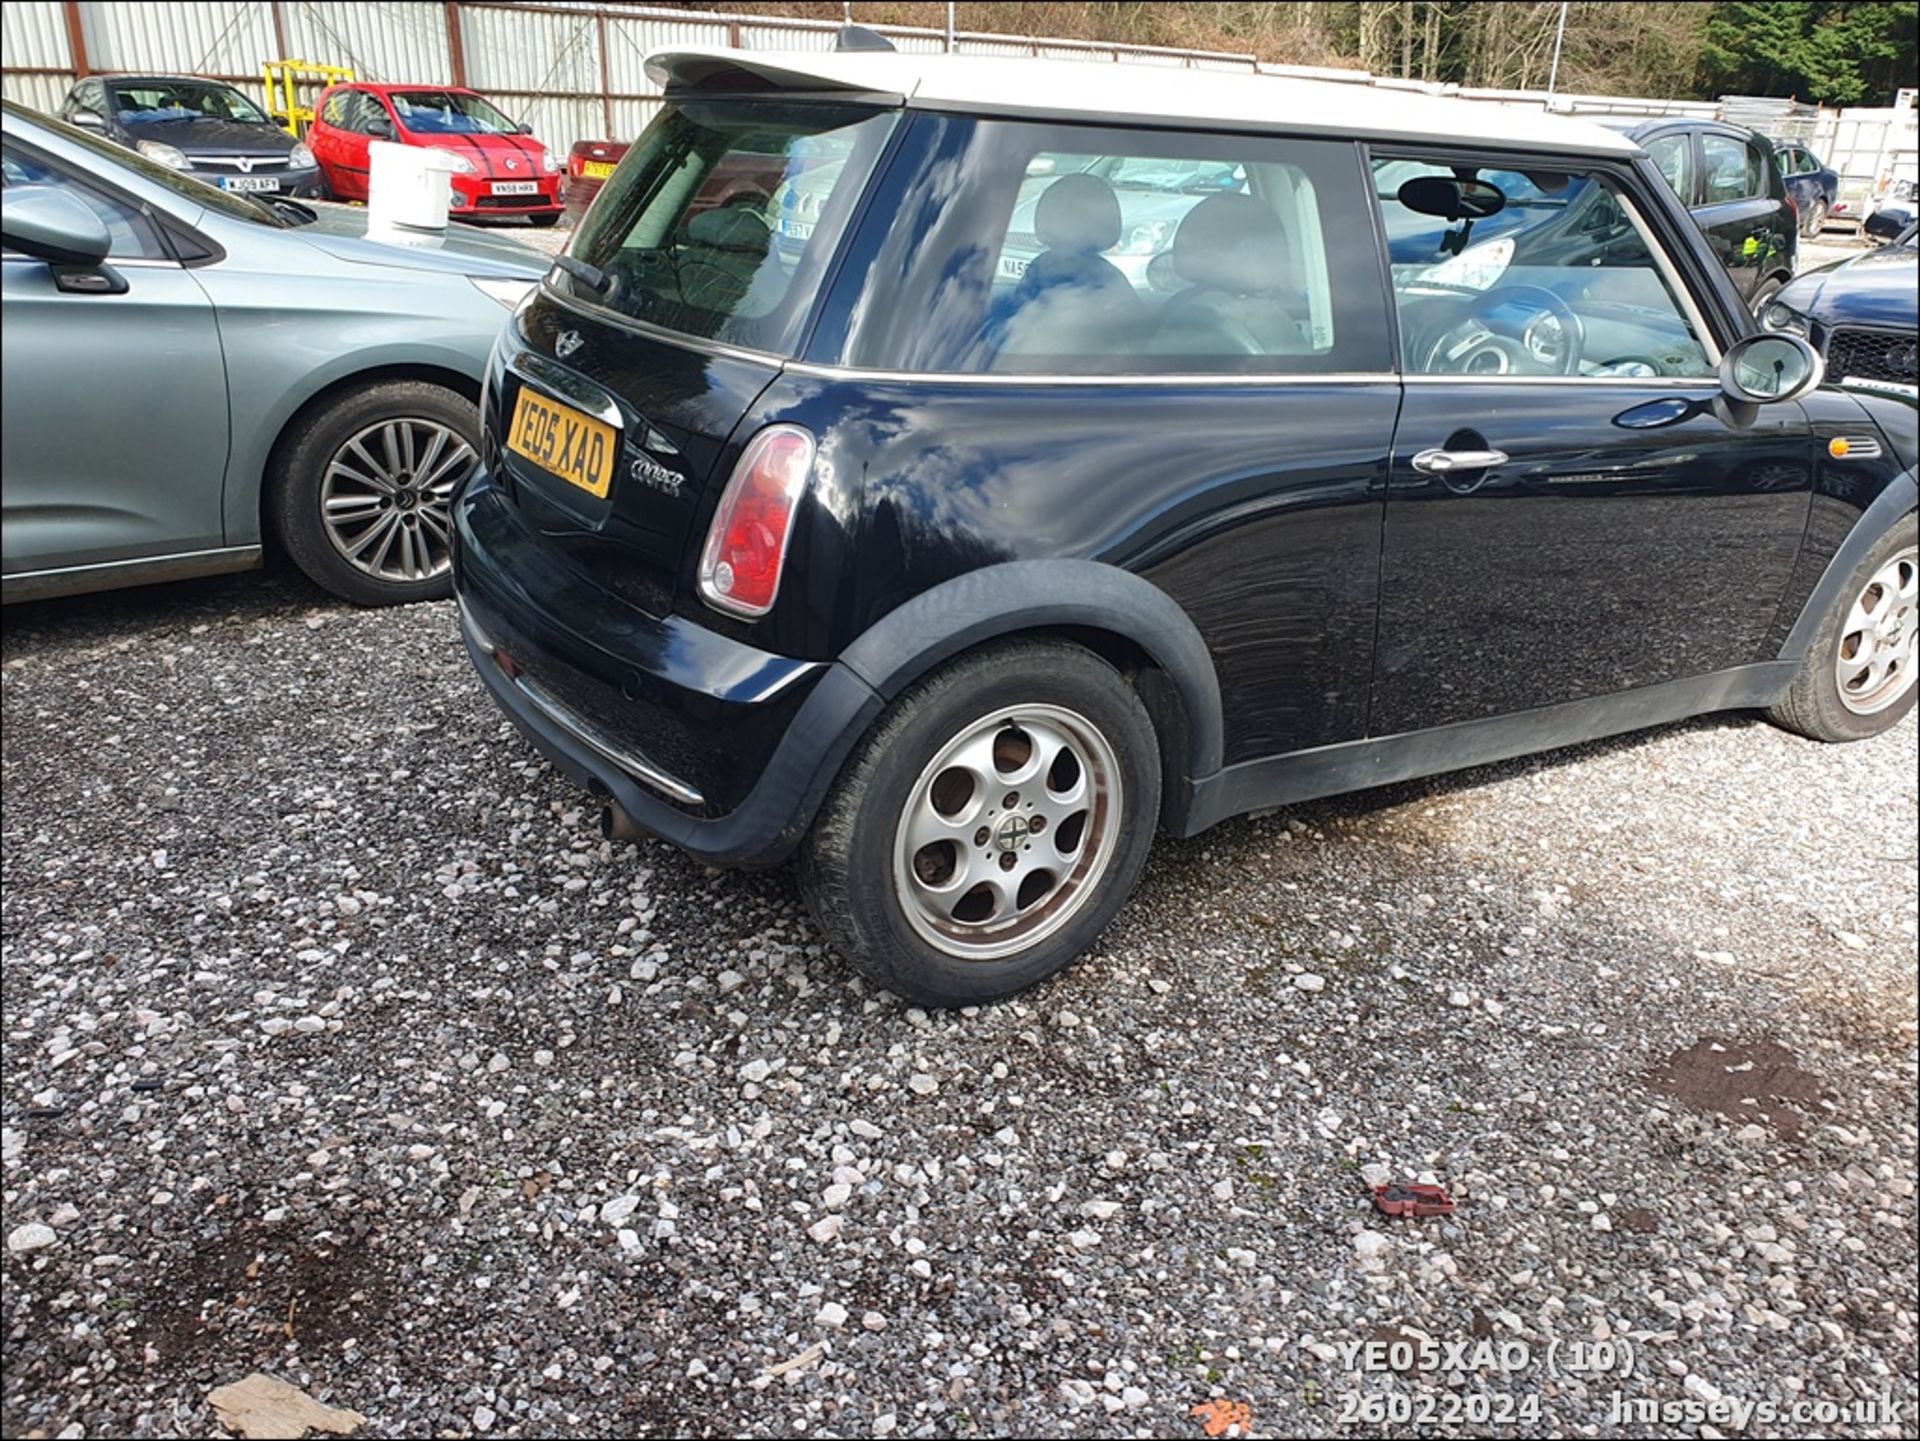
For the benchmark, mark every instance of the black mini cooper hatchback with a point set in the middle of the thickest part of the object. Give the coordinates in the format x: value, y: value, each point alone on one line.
x: 1050, y: 453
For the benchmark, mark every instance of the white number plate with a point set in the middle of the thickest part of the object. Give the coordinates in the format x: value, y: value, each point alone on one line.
x: 248, y: 182
x: 516, y: 187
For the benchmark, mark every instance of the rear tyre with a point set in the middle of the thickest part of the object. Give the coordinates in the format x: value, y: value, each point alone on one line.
x: 1859, y: 674
x: 989, y: 827
x: 360, y: 492
x: 1815, y: 220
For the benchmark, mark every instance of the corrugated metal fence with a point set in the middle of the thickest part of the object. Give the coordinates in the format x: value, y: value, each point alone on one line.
x: 575, y: 70
x: 571, y: 70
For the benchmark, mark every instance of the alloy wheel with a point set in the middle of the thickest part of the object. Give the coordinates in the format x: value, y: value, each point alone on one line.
x: 387, y: 498
x: 1874, y: 664
x: 1006, y: 834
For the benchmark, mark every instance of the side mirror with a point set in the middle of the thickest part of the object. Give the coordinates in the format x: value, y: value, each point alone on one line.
x: 524, y: 128
x: 1774, y: 366
x: 380, y: 128
x: 47, y: 223
x: 88, y: 120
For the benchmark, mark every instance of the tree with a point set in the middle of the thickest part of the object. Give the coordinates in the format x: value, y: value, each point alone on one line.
x: 1813, y: 49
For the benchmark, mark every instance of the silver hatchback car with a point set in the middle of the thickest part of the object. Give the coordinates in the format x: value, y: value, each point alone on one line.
x: 188, y: 374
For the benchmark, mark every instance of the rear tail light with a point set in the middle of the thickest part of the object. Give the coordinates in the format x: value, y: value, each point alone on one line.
x: 747, y: 542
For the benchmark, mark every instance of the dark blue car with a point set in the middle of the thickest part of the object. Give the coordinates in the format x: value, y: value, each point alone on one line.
x: 204, y: 128
x: 1860, y: 313
x: 1811, y: 182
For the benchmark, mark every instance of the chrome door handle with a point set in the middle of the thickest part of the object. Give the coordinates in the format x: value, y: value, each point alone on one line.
x: 1443, y: 462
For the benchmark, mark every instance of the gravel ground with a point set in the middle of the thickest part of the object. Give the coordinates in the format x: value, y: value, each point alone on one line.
x: 340, y: 1046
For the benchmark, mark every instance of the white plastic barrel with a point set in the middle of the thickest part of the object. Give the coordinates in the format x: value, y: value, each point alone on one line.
x: 407, y: 189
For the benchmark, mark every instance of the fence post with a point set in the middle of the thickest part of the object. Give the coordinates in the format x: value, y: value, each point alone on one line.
x: 77, y: 40
x: 606, y: 78
x: 279, y: 29
x: 456, y: 47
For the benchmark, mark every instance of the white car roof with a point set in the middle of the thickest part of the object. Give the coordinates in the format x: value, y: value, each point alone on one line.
x: 1083, y: 90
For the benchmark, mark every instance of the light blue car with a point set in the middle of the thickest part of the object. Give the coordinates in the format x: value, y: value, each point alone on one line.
x: 190, y: 374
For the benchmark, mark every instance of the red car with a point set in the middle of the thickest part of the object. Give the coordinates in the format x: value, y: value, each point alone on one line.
x: 743, y: 177
x: 588, y: 164
x: 500, y: 169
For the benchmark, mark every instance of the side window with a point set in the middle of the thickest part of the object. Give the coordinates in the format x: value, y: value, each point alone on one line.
x: 1560, y: 280
x: 134, y: 236
x: 334, y: 112
x: 1069, y: 250
x: 1672, y: 155
x: 1727, y: 164
x: 367, y: 109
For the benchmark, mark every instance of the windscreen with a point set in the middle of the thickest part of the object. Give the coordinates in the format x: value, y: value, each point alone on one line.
x: 722, y: 219
x: 145, y: 102
x: 446, y: 112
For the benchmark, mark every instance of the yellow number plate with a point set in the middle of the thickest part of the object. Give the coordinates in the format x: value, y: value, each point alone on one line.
x: 558, y: 438
x: 596, y: 169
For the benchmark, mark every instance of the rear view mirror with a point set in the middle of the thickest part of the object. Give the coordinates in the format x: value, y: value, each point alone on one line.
x: 1452, y: 199
x: 1775, y: 366
x: 47, y: 223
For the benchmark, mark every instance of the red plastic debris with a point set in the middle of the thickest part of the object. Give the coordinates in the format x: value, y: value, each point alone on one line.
x: 1415, y: 1200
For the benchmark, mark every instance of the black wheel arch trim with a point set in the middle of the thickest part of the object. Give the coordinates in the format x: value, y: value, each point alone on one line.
x: 1020, y: 596
x: 1900, y: 496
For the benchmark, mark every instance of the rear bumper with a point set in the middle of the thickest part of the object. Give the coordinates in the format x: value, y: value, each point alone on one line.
x: 721, y: 749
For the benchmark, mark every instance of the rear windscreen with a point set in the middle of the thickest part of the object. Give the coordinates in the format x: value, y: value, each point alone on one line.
x: 722, y: 220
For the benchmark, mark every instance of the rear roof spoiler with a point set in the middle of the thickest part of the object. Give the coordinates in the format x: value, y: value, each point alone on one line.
x: 721, y: 69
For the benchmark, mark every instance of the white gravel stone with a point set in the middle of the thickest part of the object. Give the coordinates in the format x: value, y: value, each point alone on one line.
x: 1308, y: 981
x: 831, y: 1314
x: 30, y: 1237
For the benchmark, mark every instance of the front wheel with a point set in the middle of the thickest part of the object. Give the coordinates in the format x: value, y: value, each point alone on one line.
x: 544, y: 222
x: 362, y: 489
x: 1858, y: 677
x: 989, y: 827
